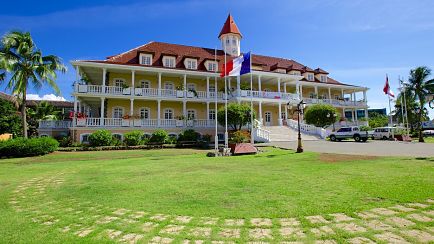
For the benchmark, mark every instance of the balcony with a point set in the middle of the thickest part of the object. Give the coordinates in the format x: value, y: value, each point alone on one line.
x: 335, y: 102
x: 54, y: 124
x: 144, y: 123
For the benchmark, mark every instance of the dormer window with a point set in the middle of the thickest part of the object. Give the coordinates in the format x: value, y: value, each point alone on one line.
x: 190, y: 63
x: 323, y: 78
x: 310, y: 77
x: 146, y: 59
x: 169, y: 61
x: 211, y: 66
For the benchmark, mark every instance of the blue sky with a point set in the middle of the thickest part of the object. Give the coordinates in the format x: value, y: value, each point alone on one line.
x: 357, y: 41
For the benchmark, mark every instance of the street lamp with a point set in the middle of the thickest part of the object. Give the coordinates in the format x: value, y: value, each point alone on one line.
x: 299, y: 110
x: 334, y: 119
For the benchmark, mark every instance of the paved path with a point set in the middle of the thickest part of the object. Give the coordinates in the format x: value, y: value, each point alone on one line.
x: 372, y: 148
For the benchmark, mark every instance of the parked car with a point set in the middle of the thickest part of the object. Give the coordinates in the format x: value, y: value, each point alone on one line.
x: 352, y: 132
x: 385, y: 133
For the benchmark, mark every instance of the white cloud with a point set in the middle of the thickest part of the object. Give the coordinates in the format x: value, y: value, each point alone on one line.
x: 49, y: 97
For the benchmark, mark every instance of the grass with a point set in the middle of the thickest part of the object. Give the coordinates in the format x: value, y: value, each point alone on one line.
x: 429, y: 139
x: 273, y: 184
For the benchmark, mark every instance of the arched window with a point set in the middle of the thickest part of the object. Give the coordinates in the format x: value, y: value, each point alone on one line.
x: 119, y: 82
x: 145, y: 84
x: 118, y: 112
x: 145, y: 113
x: 191, y: 114
x: 168, y: 113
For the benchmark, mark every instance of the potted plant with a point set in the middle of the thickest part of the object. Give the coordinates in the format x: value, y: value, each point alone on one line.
x: 180, y: 91
x: 190, y: 121
x: 81, y: 119
x: 180, y: 121
x: 191, y: 93
x: 126, y: 90
x: 126, y: 120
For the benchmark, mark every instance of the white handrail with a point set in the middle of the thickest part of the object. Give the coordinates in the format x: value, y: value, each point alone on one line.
x: 306, y: 128
x: 261, y: 135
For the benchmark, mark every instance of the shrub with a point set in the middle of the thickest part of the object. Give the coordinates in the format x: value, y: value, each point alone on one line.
x: 159, y: 136
x: 21, y: 147
x: 365, y: 128
x: 239, y: 137
x: 65, y: 141
x: 378, y: 120
x: 321, y: 115
x: 133, y: 138
x: 100, y: 138
x: 189, y: 135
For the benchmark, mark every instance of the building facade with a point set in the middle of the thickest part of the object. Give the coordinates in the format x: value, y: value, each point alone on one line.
x: 176, y: 87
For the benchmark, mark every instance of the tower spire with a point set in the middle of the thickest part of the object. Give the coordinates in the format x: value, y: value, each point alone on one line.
x: 230, y: 37
x: 230, y: 27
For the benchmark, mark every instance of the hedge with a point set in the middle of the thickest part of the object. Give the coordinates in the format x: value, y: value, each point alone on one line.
x: 21, y: 147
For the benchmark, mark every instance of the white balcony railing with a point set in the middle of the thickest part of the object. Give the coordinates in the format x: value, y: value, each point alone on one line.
x: 334, y: 102
x: 54, y: 124
x: 120, y: 122
x: 306, y: 128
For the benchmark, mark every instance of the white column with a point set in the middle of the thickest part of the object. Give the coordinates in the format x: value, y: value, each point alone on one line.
x: 133, y: 77
x: 259, y: 84
x: 278, y: 86
x: 352, y: 115
x: 79, y: 106
x: 284, y: 87
x: 366, y: 114
x: 330, y: 95
x: 185, y: 86
x: 301, y: 91
x: 364, y: 96
x: 158, y: 113
x: 159, y: 84
x: 207, y: 87
x: 77, y: 78
x: 75, y: 111
x: 316, y: 91
x: 286, y: 111
x: 342, y: 90
x: 184, y: 109
x: 131, y: 110
x: 260, y: 112
x: 280, y: 114
x: 238, y: 86
x: 104, y: 73
x: 207, y: 114
x: 355, y: 99
x: 355, y: 115
x: 102, y: 112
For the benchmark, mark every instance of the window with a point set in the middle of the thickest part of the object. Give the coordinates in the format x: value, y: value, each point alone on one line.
x: 310, y: 77
x: 191, y: 114
x: 84, y: 138
x: 191, y: 87
x: 168, y: 113
x: 323, y: 96
x: 323, y: 78
x: 145, y: 59
x: 145, y: 84
x: 212, y: 66
x: 169, y: 86
x: 312, y: 95
x: 119, y: 82
x: 211, y: 114
x: 145, y: 113
x: 211, y: 88
x: 118, y: 137
x: 283, y: 115
x: 234, y: 42
x: 190, y: 63
x: 337, y: 97
x: 227, y: 41
x: 169, y: 62
x: 118, y: 112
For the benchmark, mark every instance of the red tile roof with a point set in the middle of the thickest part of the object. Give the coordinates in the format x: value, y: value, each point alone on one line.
x: 230, y: 27
x: 180, y: 52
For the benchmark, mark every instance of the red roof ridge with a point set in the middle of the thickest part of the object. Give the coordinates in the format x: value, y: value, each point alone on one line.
x: 133, y: 49
x: 230, y: 27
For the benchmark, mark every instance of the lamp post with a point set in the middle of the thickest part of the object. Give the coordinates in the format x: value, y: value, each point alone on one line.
x: 334, y: 119
x: 299, y: 111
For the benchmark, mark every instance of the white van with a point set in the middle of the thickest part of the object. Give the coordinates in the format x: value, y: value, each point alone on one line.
x: 385, y: 133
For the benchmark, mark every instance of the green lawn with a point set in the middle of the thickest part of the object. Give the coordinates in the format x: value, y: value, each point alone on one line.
x: 274, y: 184
x: 429, y: 139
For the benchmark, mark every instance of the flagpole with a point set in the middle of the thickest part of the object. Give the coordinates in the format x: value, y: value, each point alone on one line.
x: 226, y: 106
x: 405, y: 108
x: 216, y: 137
x: 402, y: 105
x: 252, y: 137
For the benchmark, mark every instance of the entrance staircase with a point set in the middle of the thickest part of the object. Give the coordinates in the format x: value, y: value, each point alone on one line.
x: 286, y: 133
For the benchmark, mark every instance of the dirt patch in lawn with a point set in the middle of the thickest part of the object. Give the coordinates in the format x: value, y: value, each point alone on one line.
x: 335, y: 158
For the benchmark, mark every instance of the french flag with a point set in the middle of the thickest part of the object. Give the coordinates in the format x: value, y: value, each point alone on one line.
x: 387, y: 89
x: 237, y: 66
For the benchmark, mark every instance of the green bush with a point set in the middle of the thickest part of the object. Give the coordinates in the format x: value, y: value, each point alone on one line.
x: 159, y: 136
x: 133, y: 138
x: 189, y: 135
x: 321, y: 115
x: 65, y: 141
x: 100, y: 138
x: 21, y: 147
x: 239, y: 137
x: 365, y: 128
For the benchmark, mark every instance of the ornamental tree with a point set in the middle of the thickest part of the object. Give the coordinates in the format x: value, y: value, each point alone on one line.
x: 321, y: 115
x: 238, y: 115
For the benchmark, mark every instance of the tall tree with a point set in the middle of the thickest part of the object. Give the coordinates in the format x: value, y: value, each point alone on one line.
x: 25, y: 65
x: 420, y: 85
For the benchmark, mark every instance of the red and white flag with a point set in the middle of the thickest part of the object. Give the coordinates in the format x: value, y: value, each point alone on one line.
x: 386, y: 88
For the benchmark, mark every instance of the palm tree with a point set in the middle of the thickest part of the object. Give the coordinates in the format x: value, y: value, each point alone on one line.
x: 421, y: 87
x: 25, y: 64
x: 44, y: 111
